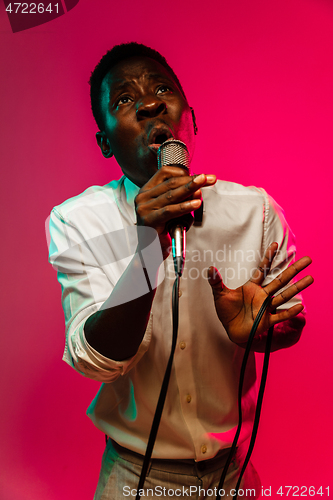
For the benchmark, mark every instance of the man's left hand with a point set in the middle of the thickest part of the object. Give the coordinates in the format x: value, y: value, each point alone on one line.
x: 237, y: 309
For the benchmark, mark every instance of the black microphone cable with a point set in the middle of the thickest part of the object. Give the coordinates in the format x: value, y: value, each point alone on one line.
x: 259, y: 399
x: 171, y: 152
x: 258, y: 407
x: 164, y: 388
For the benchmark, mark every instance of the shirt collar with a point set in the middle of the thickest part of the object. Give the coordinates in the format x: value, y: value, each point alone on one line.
x: 131, y: 190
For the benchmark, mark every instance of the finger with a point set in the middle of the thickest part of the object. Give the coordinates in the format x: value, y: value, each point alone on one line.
x: 162, y: 175
x: 166, y: 188
x: 197, y: 195
x: 265, y: 265
x: 178, y: 194
x: 214, y: 278
x: 165, y: 183
x: 163, y: 215
x: 284, y: 278
x: 291, y: 291
x: 171, y: 193
x: 215, y: 281
x: 210, y: 180
x: 285, y: 314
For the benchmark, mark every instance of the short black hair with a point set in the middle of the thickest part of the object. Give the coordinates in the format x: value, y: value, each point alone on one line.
x: 109, y: 60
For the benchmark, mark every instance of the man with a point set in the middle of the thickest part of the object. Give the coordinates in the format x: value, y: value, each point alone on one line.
x: 112, y: 252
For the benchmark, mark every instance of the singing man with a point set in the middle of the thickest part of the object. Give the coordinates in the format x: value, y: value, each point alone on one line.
x: 111, y: 248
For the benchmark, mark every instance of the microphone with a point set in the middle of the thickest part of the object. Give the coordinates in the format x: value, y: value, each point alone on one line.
x: 175, y: 153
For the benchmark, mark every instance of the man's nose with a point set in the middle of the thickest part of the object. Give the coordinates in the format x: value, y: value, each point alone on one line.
x: 149, y: 107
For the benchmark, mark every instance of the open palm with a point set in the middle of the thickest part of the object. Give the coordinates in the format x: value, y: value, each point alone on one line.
x: 237, y: 309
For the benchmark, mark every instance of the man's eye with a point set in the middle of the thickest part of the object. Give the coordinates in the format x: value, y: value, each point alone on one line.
x: 123, y: 100
x: 162, y: 89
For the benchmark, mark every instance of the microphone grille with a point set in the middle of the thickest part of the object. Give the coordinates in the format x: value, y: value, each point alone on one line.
x: 173, y: 152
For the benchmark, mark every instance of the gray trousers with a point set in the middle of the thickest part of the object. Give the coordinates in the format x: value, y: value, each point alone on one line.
x: 172, y: 479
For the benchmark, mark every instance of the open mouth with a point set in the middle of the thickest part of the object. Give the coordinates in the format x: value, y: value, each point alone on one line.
x: 160, y: 138
x: 157, y: 136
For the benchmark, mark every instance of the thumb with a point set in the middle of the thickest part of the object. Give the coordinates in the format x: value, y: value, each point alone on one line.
x: 215, y: 280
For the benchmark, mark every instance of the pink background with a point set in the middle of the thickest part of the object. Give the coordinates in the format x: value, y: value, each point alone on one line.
x: 260, y: 76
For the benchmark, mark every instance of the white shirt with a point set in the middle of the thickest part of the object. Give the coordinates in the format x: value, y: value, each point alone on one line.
x: 200, y: 413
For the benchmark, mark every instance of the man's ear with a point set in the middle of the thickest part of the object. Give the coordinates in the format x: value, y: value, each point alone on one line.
x: 104, y: 144
x: 194, y: 121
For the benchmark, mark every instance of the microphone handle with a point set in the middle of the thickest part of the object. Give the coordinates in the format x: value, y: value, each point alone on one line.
x: 177, y: 229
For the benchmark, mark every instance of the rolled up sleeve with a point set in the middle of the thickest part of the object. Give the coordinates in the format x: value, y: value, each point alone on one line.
x: 86, y: 360
x: 85, y: 287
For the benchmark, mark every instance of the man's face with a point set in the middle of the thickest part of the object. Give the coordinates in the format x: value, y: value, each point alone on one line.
x: 142, y: 107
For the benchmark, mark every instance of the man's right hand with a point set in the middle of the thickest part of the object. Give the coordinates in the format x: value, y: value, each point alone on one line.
x: 169, y: 194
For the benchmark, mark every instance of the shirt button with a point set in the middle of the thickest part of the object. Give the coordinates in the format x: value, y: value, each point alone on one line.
x: 182, y: 345
x: 188, y: 398
x: 180, y: 293
x: 203, y: 448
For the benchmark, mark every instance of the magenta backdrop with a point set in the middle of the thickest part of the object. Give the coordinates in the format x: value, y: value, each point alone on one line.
x: 260, y: 76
